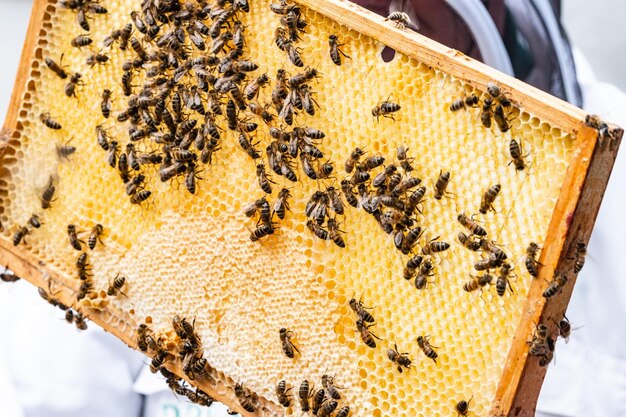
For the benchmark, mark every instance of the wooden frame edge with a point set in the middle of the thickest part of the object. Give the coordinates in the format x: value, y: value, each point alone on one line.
x: 572, y: 221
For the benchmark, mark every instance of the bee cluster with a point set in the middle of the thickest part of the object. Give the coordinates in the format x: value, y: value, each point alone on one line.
x: 493, y: 106
x: 187, y: 347
x: 71, y: 315
x: 321, y: 403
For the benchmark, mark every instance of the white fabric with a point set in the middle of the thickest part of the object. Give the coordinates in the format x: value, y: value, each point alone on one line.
x: 77, y: 375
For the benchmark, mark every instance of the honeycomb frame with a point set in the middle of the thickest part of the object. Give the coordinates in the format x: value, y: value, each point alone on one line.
x: 571, y: 222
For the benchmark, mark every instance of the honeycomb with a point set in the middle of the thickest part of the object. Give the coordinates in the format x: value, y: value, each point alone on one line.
x: 191, y: 254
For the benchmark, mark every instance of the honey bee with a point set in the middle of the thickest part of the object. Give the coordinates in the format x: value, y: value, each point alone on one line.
x: 8, y: 276
x: 546, y: 358
x: 343, y: 411
x: 283, y: 395
x: 69, y: 315
x: 105, y: 104
x: 246, y: 398
x: 140, y: 196
x: 94, y: 236
x: 20, y: 235
x: 366, y: 335
x: 264, y: 181
x: 493, y: 90
x: 468, y: 242
x: 539, y: 345
x: 260, y: 111
x: 426, y: 268
x: 142, y: 332
x: 304, y: 393
x: 82, y: 266
x: 361, y: 310
x: 335, y: 200
x: 406, y: 185
x: 48, y: 194
x: 334, y: 233
x: 442, y: 184
x: 411, y: 265
x: 471, y: 225
x: 461, y: 103
x: 318, y: 400
x: 462, y: 407
x: 500, y: 118
x: 79, y: 321
x: 252, y: 89
x: 85, y: 288
x: 515, y: 150
x: 94, y: 59
x: 579, y: 256
x: 385, y: 109
x: 293, y: 54
x: 487, y: 112
x: 496, y: 254
x: 353, y: 159
x: 56, y: 68
x: 335, y: 51
x: 414, y: 199
x: 434, y: 246
x: 198, y: 368
x: 531, y: 259
x: 286, y: 343
x: 327, y: 408
x: 427, y: 348
x: 565, y: 328
x: 555, y: 286
x: 405, y: 161
x: 488, y: 198
x: 301, y: 78
x: 112, y: 154
x: 328, y: 383
x: 81, y: 40
x: 116, y: 286
x: 317, y: 230
x: 34, y: 221
x: 477, y: 282
x: 401, y: 19
x: 348, y: 192
x: 261, y: 231
x: 70, y: 87
x: 381, y: 178
x: 49, y: 121
x: 127, y: 79
x: 410, y: 239
x: 157, y: 360
x: 73, y: 236
x: 281, y: 204
x: 103, y: 139
x: 502, y: 283
x: 401, y: 359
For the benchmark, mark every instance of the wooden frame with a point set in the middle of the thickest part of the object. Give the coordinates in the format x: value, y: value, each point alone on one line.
x: 572, y: 219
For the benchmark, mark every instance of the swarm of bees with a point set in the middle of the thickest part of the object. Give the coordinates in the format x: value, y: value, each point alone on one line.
x: 322, y: 402
x: 192, y: 60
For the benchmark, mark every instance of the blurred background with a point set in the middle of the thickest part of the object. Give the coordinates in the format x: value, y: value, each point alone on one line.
x: 593, y: 28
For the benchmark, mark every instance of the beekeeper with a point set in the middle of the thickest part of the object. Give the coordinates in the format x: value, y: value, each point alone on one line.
x: 55, y: 371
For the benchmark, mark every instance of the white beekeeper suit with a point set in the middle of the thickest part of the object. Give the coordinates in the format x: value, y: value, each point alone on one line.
x: 92, y: 374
